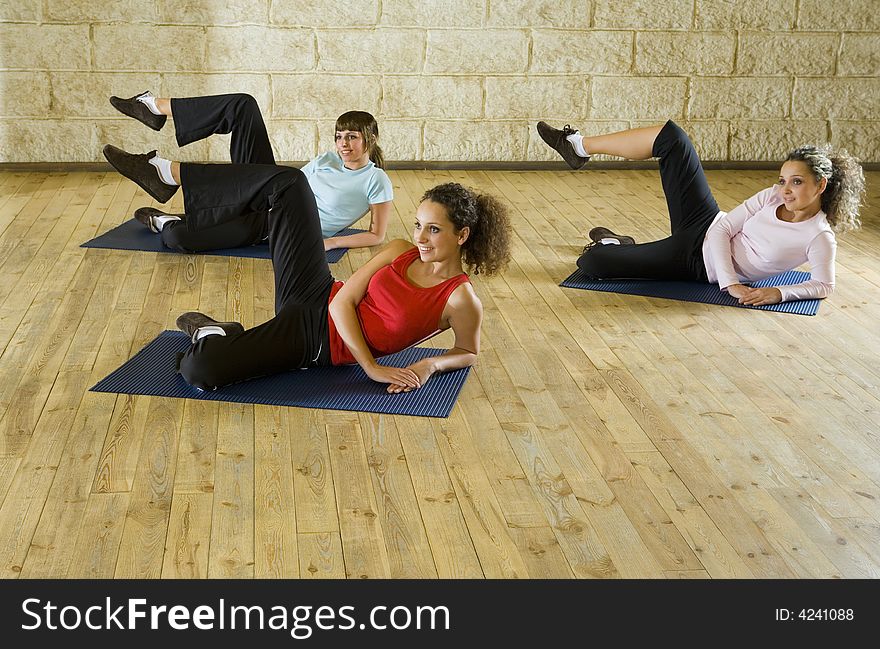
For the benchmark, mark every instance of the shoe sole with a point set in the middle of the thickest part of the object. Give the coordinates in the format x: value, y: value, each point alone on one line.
x: 124, y: 107
x: 112, y: 152
x: 544, y: 126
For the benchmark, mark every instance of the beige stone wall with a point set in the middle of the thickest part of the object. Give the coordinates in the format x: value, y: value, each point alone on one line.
x: 448, y: 79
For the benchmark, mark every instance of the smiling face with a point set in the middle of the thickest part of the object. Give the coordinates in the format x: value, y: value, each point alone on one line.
x: 352, y: 149
x: 799, y: 188
x: 435, y: 234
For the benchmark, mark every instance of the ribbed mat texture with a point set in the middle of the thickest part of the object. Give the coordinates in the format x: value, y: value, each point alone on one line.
x: 152, y: 371
x: 133, y: 235
x: 696, y: 291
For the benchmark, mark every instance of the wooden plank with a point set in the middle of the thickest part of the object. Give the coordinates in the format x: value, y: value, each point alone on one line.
x: 189, y: 536
x: 792, y: 543
x: 120, y: 453
x: 51, y: 550
x: 197, y: 450
x: 708, y: 542
x: 758, y: 409
x: 656, y: 531
x: 142, y: 548
x: 586, y: 554
x: 232, y: 524
x: 320, y: 556
x: 313, y: 479
x: 119, y: 457
x: 687, y: 574
x: 363, y: 539
x: 451, y: 544
x: 8, y: 467
x: 275, y: 535
x: 541, y: 553
x: 97, y: 545
x: 509, y: 482
x: 409, y: 554
x: 852, y: 559
x: 240, y: 294
x: 498, y: 554
x: 26, y: 496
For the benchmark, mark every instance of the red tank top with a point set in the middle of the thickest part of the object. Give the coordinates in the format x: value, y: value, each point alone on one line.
x: 394, y: 313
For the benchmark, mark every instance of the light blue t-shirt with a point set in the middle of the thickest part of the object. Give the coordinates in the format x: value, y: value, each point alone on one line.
x: 344, y: 195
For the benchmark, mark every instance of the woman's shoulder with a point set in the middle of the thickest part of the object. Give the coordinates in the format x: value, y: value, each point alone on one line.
x: 465, y: 298
x: 379, y: 177
x: 401, y: 247
x: 327, y: 160
x: 768, y: 196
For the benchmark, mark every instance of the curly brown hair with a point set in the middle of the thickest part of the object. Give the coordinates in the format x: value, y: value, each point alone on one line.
x: 487, y: 249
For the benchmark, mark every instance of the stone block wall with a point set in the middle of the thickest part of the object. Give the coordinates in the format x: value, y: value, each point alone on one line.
x: 449, y: 80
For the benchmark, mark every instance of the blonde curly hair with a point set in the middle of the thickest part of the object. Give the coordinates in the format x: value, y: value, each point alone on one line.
x: 846, y: 182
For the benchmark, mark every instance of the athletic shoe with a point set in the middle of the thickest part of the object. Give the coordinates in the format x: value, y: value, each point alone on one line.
x: 146, y: 214
x: 191, y: 321
x: 137, y: 168
x: 137, y: 109
x: 556, y: 140
x: 598, y: 234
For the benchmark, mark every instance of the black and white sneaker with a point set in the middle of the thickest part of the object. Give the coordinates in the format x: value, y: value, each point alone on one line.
x: 131, y: 107
x: 192, y: 321
x: 148, y: 216
x: 137, y: 168
x: 603, y: 236
x: 556, y: 139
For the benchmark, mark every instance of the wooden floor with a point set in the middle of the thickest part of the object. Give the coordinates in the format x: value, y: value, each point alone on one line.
x: 600, y: 435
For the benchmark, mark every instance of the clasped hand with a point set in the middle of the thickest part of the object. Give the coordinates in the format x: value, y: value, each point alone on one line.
x: 401, y: 379
x: 755, y: 296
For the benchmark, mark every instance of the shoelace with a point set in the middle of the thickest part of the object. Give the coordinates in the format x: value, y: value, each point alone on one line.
x: 568, y: 130
x: 590, y: 246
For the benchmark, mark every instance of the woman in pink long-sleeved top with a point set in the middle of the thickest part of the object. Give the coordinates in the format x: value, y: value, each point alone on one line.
x: 776, y: 230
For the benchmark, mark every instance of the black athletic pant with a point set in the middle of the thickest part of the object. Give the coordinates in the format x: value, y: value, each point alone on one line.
x: 692, y: 208
x: 196, y: 118
x: 297, y: 336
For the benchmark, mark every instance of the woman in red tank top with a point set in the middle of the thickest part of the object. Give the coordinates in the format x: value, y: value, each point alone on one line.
x: 406, y: 294
x: 403, y: 295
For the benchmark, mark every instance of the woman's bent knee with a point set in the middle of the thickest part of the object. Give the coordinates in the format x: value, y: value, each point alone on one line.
x: 245, y: 100
x: 201, y: 370
x: 177, y: 238
x: 590, y: 265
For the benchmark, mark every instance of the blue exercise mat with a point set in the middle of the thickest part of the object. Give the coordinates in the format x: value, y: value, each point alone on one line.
x: 695, y: 291
x: 153, y: 371
x: 133, y: 235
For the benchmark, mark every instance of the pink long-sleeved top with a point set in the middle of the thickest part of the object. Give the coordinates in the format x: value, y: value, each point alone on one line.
x: 750, y: 243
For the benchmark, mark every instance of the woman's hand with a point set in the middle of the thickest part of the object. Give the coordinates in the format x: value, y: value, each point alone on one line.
x: 400, y: 379
x: 762, y: 296
x: 423, y: 371
x: 330, y: 244
x: 755, y: 296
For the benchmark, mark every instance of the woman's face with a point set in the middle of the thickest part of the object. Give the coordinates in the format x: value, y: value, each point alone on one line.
x: 799, y: 188
x: 435, y: 235
x: 352, y: 149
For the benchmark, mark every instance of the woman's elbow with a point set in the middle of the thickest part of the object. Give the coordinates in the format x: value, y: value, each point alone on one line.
x: 377, y: 239
x: 467, y: 358
x: 335, y: 309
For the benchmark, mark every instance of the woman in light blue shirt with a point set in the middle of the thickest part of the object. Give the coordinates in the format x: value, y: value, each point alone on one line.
x: 347, y: 183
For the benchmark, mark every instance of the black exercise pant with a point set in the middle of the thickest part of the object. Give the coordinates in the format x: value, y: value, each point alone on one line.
x: 196, y: 118
x: 692, y: 208
x: 297, y: 336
